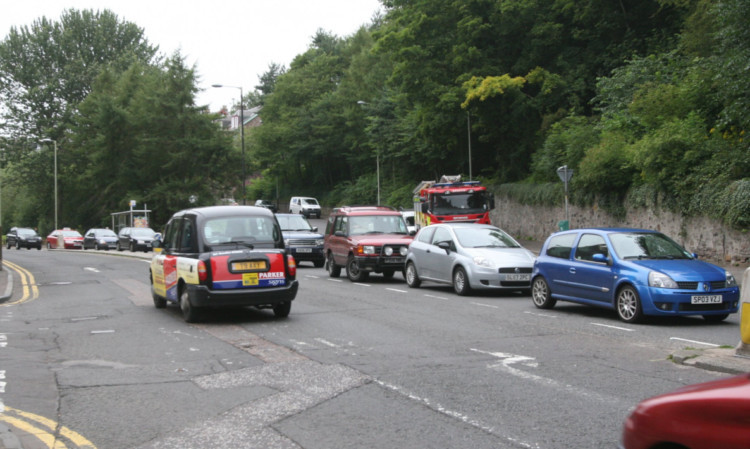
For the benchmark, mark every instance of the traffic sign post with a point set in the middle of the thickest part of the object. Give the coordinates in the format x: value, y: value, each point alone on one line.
x: 565, y: 174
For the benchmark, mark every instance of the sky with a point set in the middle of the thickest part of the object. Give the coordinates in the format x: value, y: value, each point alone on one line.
x: 230, y: 42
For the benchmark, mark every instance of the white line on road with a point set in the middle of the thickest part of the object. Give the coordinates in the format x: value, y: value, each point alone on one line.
x: 613, y: 327
x: 437, y: 297
x: 103, y: 332
x: 545, y: 315
x: 334, y: 280
x: 92, y: 269
x: 326, y: 342
x: 485, y: 305
x: 362, y: 285
x: 696, y: 342
x: 396, y: 290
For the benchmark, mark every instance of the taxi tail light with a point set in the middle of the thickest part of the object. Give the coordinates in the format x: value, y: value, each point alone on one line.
x: 292, y: 266
x: 202, y: 272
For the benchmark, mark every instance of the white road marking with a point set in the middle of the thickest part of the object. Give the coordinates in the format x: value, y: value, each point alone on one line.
x: 108, y: 331
x: 437, y: 297
x: 507, y: 361
x: 334, y: 280
x: 696, y: 342
x: 311, y: 276
x: 614, y: 327
x: 362, y: 285
x: 326, y: 342
x: 485, y: 305
x: 451, y: 413
x: 92, y: 269
x: 396, y: 290
x: 545, y: 315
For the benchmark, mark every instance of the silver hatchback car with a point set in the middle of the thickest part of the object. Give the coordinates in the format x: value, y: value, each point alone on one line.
x: 469, y: 256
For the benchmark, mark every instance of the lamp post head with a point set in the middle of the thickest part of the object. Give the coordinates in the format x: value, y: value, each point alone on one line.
x: 217, y: 85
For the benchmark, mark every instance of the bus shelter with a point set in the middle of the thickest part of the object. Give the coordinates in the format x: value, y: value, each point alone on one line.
x: 134, y: 218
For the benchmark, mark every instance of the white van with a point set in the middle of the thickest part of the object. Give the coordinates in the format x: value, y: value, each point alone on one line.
x: 306, y: 206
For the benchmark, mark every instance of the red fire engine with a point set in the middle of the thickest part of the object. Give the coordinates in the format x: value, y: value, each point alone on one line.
x: 450, y: 199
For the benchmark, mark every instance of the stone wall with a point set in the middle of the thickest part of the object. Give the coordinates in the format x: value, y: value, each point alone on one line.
x: 706, y: 237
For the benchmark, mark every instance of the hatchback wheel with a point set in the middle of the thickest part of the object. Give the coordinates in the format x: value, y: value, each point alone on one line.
x: 353, y: 272
x: 540, y: 294
x: 628, y: 305
x: 461, y: 282
x: 412, y: 279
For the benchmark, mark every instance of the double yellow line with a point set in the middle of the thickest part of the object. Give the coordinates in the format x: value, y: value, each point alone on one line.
x: 28, y: 283
x: 44, y: 429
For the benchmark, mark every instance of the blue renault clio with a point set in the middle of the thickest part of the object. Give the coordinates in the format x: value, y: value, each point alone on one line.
x: 636, y: 272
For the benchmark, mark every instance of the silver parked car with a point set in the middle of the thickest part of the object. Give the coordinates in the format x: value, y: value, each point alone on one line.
x: 469, y: 256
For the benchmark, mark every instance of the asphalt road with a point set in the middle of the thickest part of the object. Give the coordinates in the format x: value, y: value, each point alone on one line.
x: 376, y: 365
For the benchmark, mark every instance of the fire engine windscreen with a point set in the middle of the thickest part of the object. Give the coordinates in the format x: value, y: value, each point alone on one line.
x: 459, y: 203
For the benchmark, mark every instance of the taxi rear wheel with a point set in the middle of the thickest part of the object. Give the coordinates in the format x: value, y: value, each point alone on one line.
x: 188, y: 311
x: 282, y: 310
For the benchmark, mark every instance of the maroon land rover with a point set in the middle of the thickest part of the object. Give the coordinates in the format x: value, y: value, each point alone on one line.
x: 366, y: 239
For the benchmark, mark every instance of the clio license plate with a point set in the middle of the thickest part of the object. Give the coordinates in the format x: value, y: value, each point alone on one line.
x: 705, y: 299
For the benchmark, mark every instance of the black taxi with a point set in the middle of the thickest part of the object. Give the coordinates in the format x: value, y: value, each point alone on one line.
x: 223, y: 256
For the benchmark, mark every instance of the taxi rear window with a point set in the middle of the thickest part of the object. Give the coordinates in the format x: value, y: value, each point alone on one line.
x: 243, y: 229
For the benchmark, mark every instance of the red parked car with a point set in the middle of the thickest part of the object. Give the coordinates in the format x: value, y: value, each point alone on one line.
x: 711, y: 415
x: 65, y: 238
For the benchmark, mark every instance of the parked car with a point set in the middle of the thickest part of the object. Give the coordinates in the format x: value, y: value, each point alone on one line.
x: 223, y: 256
x: 366, y: 239
x: 23, y: 238
x: 636, y: 272
x: 135, y: 239
x: 65, y: 238
x: 97, y: 238
x: 302, y: 240
x: 409, y: 218
x: 306, y: 206
x: 267, y: 204
x: 710, y: 415
x: 469, y: 256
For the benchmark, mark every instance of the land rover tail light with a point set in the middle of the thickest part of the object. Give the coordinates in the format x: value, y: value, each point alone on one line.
x: 202, y: 272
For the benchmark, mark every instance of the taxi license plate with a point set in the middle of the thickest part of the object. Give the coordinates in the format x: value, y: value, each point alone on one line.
x: 254, y: 265
x: 705, y: 299
x: 517, y: 277
x: 249, y: 279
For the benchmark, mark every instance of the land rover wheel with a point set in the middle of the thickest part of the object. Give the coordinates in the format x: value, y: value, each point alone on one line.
x: 353, y: 272
x: 334, y: 270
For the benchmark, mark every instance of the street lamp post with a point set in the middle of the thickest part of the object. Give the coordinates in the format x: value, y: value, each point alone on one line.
x: 54, y: 142
x: 377, y: 156
x: 242, y: 133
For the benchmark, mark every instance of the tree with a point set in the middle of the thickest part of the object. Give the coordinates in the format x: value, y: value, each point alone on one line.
x: 145, y: 122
